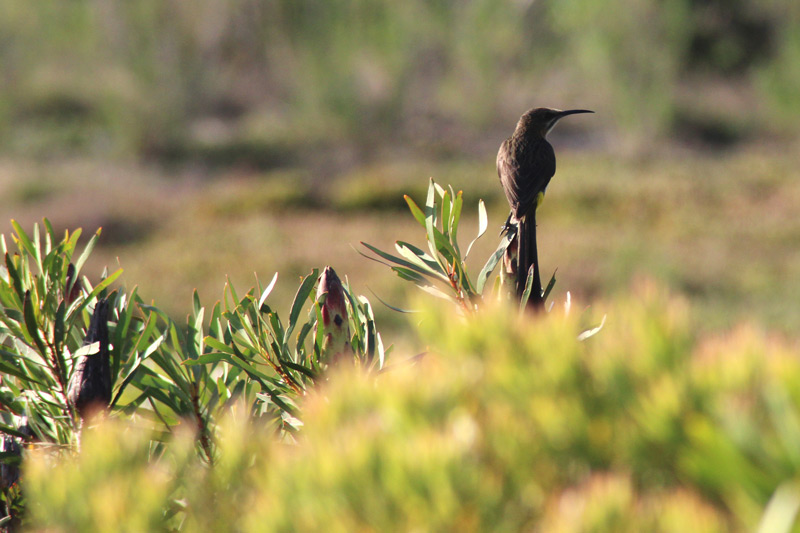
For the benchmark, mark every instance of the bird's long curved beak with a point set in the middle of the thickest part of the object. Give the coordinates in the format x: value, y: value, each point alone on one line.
x: 573, y: 112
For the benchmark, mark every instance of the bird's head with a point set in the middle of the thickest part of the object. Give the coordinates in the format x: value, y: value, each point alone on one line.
x: 540, y: 120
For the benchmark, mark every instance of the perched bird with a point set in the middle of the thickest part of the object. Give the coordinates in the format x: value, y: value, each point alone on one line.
x: 525, y: 164
x: 89, y: 388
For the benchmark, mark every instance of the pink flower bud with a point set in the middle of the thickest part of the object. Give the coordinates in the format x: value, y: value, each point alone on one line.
x: 335, y: 328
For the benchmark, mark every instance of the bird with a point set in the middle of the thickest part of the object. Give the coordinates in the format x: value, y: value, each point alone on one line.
x: 89, y: 388
x: 525, y: 164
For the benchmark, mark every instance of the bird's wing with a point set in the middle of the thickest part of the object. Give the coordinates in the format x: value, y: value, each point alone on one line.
x: 525, y: 170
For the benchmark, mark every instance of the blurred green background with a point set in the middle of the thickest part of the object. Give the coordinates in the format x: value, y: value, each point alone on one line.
x: 214, y: 138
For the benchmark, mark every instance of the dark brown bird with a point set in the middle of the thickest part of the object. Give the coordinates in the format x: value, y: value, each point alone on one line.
x: 89, y: 387
x: 525, y: 164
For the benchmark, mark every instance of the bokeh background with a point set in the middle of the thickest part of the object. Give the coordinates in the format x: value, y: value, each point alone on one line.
x: 216, y: 138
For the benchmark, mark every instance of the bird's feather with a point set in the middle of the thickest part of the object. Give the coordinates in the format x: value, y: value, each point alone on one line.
x: 525, y: 168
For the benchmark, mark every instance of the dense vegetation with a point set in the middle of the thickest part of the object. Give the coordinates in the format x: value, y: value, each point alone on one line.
x: 228, y: 81
x: 506, y: 425
x: 509, y: 421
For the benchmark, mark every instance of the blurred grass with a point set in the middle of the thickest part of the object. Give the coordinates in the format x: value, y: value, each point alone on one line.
x: 264, y: 82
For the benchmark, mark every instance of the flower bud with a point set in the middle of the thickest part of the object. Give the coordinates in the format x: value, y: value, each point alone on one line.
x: 89, y: 387
x: 335, y: 328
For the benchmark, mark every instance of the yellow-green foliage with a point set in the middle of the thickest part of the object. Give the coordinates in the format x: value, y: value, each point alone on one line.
x: 111, y: 486
x: 509, y: 423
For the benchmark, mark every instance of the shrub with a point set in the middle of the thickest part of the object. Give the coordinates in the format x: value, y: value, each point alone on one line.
x: 507, y: 424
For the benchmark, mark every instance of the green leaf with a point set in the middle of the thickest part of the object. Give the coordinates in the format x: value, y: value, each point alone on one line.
x: 483, y: 224
x: 436, y: 292
x: 87, y: 251
x: 395, y: 259
x: 160, y: 394
x: 299, y: 301
x: 782, y: 509
x: 197, y: 307
x: 99, y: 288
x: 369, y: 348
x: 132, y: 372
x: 319, y: 333
x: 421, y: 259
x: 37, y: 248
x: 8, y: 430
x: 526, y: 294
x: 268, y: 290
x: 492, y: 262
x: 9, y: 366
x: 444, y: 247
x: 25, y: 241
x: 410, y: 275
x: 32, y: 325
x: 550, y: 285
x: 166, y: 363
x: 446, y: 207
x: 415, y: 210
x: 121, y: 338
x: 301, y: 337
x: 303, y: 370
x: 208, y: 358
x: 455, y: 219
x: 430, y: 217
x: 197, y: 330
x: 393, y: 308
x: 216, y: 344
x: 51, y: 233
x: 59, y: 326
x: 240, y: 362
x: 16, y: 280
x: 71, y: 243
x: 591, y: 332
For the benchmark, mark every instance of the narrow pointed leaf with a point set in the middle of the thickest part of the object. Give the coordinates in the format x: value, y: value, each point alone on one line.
x: 430, y: 217
x: 483, y: 223
x: 420, y: 258
x: 87, y: 251
x: 549, y: 287
x: 436, y: 292
x: 590, y: 332
x: 268, y: 290
x: 458, y: 203
x: 397, y: 260
x: 393, y: 308
x: 411, y: 275
x: 415, y: 210
x: 492, y: 262
x: 24, y: 240
x: 446, y: 207
x: 8, y: 430
x: 526, y: 294
x: 208, y: 358
x: 16, y: 280
x: 104, y: 284
x: 31, y: 325
x: 299, y: 301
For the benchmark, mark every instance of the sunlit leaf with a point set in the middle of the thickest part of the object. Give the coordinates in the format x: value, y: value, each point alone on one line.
x: 490, y: 265
x: 268, y: 290
x: 483, y: 224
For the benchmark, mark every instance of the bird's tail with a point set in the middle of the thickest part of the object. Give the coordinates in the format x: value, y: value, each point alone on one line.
x: 528, y: 262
